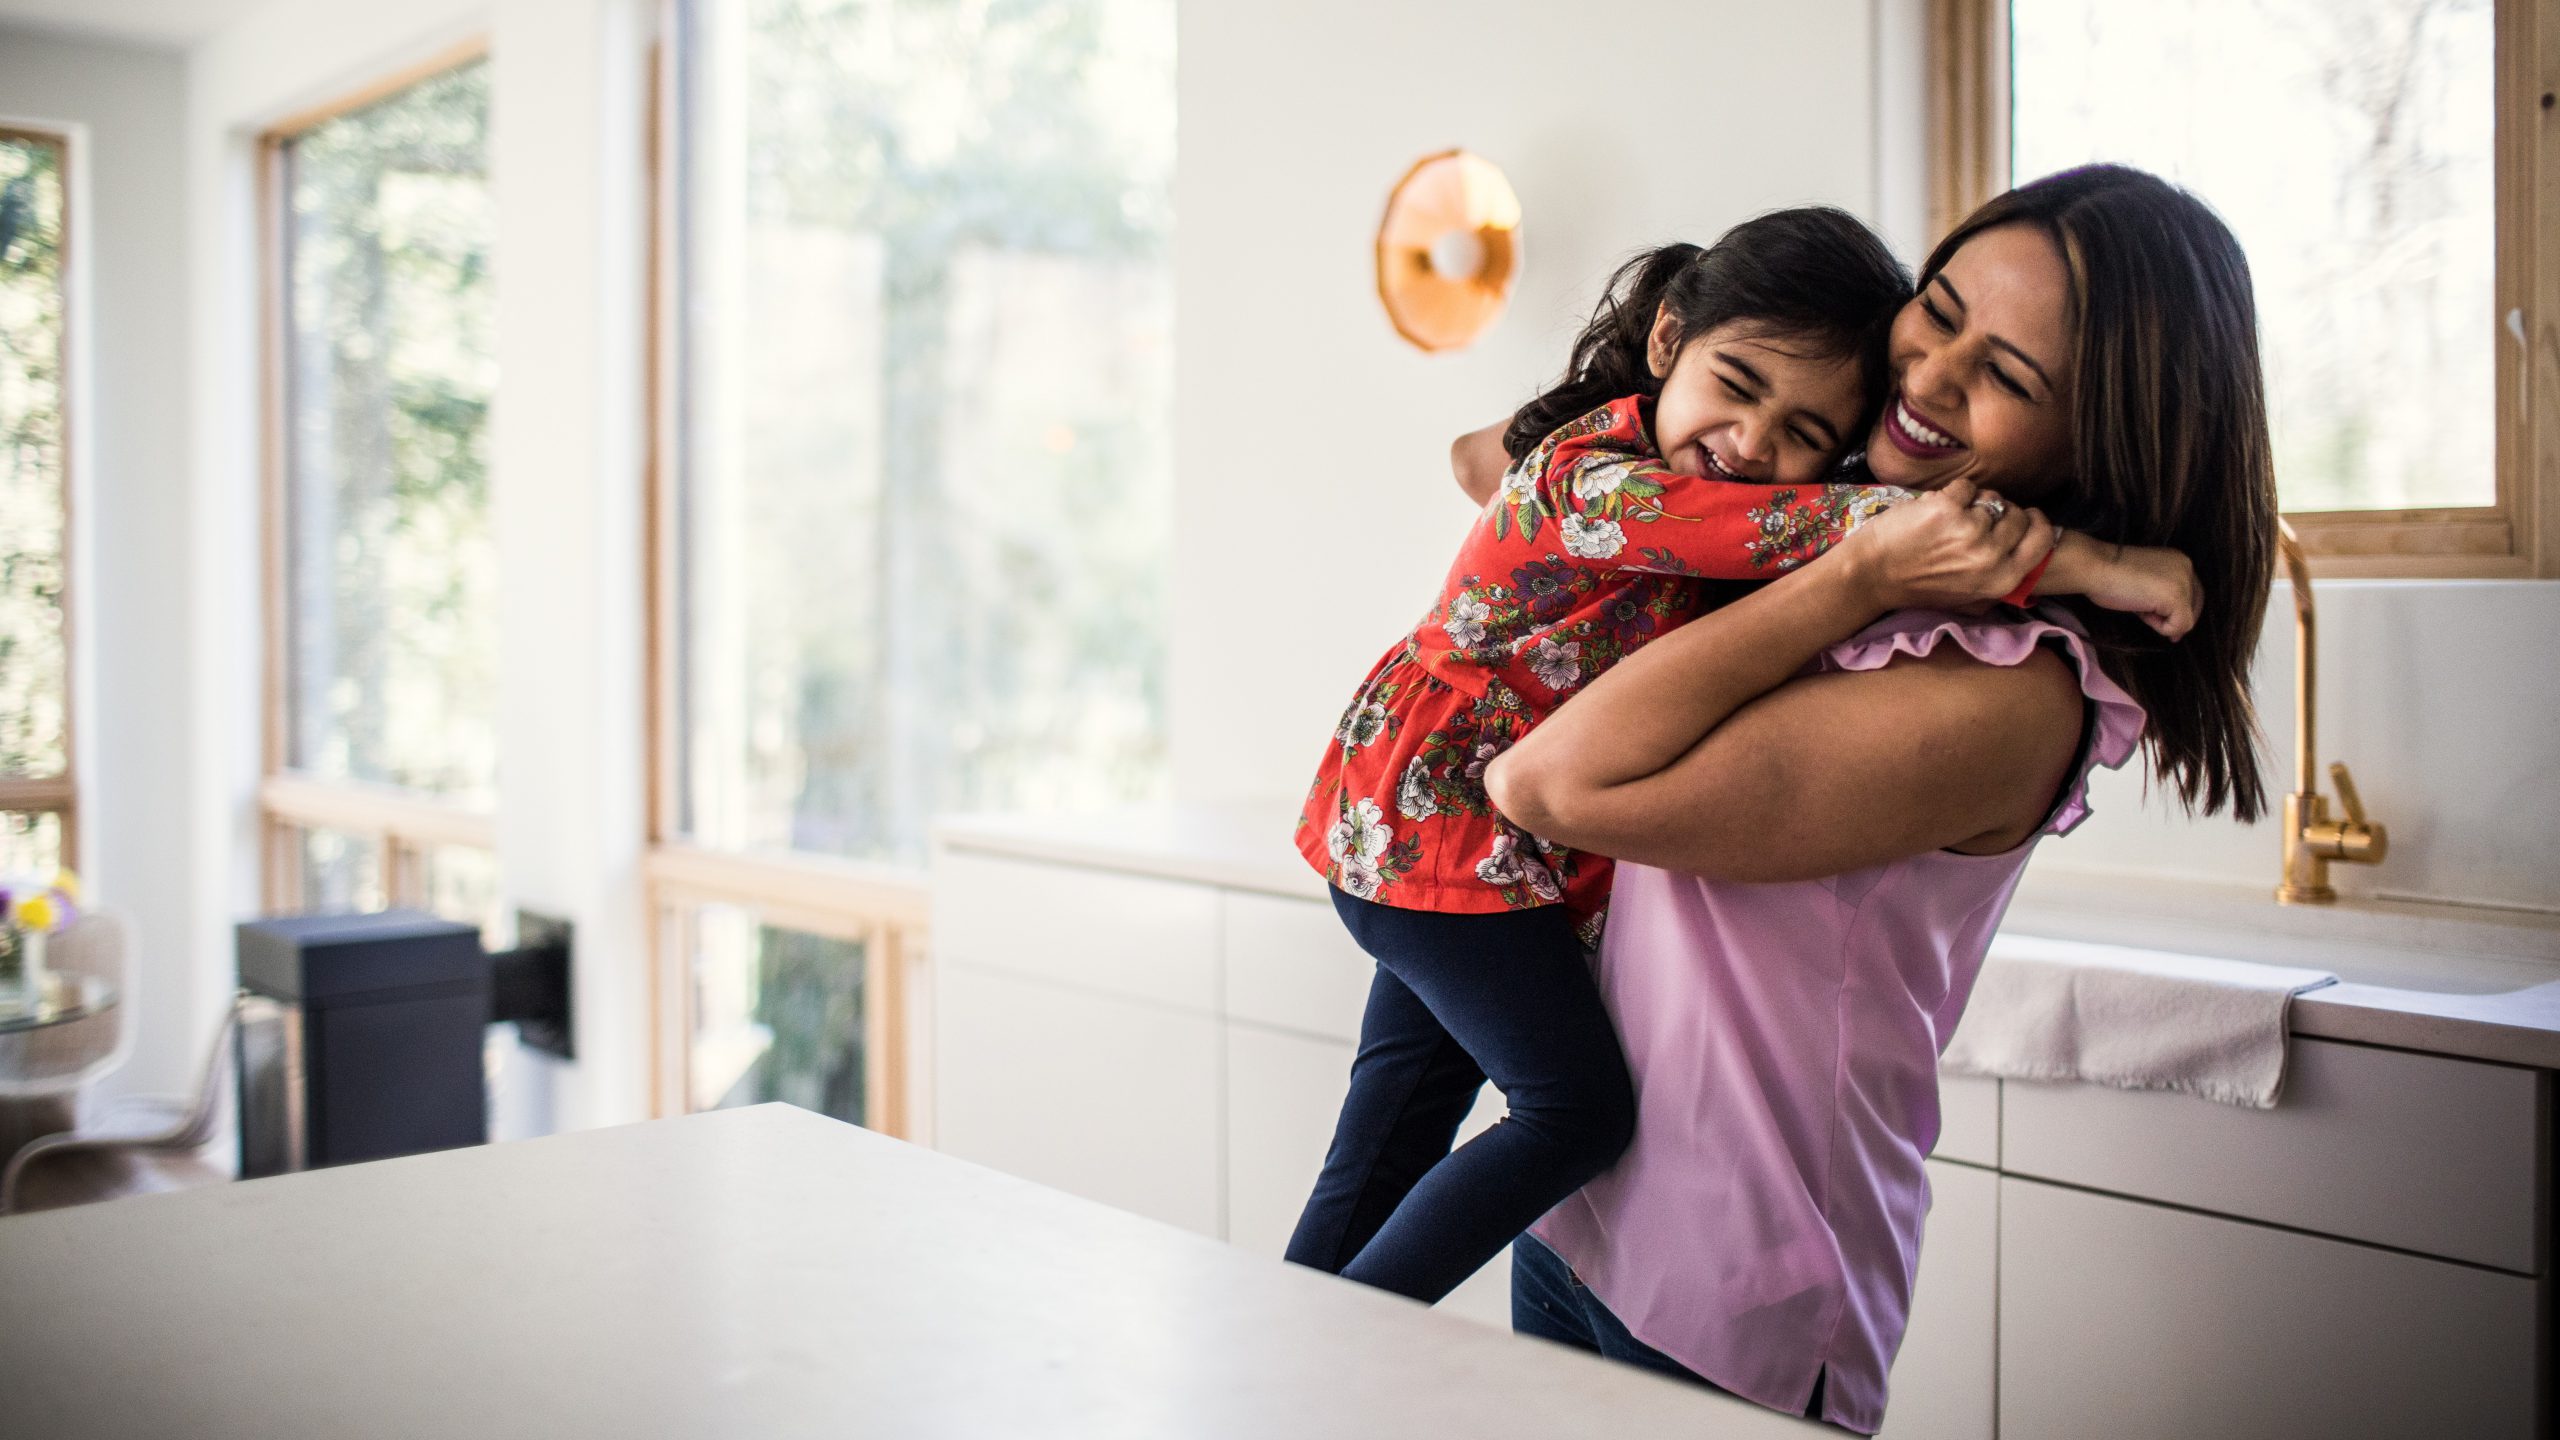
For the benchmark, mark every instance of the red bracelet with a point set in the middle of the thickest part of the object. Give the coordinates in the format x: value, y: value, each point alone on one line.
x: 2027, y: 588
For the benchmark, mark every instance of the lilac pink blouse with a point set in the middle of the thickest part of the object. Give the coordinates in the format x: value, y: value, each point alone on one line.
x: 1765, y: 1225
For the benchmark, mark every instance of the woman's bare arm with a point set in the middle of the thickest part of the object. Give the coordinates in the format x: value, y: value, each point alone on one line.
x: 1479, y: 460
x: 1701, y: 753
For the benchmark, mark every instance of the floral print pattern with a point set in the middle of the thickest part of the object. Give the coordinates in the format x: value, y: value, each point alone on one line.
x: 1591, y: 549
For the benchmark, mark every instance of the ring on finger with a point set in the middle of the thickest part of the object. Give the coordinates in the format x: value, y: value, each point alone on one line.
x: 1992, y: 503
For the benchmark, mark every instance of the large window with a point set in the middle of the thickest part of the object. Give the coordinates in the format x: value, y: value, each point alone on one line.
x: 916, y: 507
x: 383, y: 641
x: 38, y: 801
x: 2367, y: 153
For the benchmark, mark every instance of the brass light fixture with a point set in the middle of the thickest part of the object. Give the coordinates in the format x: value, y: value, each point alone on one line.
x: 2312, y: 840
x: 1448, y: 250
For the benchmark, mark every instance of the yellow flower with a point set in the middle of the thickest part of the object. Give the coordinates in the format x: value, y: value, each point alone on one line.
x: 67, y: 883
x: 36, y: 911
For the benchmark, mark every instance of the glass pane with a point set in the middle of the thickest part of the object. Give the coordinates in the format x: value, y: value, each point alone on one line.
x: 30, y: 844
x: 392, y: 608
x: 777, y: 1015
x: 927, y: 386
x: 2348, y: 143
x: 340, y: 872
x: 31, y: 494
x: 462, y: 884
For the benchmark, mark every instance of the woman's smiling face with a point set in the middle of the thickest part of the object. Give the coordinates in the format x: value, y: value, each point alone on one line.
x: 1982, y: 369
x: 1741, y: 405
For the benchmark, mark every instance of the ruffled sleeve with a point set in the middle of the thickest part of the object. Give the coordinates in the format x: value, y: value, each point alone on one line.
x: 2007, y: 638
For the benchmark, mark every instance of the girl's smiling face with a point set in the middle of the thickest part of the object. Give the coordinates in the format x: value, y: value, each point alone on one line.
x: 1738, y: 403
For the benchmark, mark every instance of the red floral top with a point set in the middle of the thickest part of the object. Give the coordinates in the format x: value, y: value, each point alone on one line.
x: 1591, y: 549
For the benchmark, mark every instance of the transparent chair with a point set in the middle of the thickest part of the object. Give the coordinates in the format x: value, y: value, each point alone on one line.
x: 139, y: 1146
x: 44, y: 1074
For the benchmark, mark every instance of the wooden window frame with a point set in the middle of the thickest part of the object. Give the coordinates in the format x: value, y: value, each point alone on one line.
x: 2517, y: 536
x: 884, y: 908
x: 404, y: 826
x: 58, y: 794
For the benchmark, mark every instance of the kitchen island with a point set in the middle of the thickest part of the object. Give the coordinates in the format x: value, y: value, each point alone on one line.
x: 759, y: 1272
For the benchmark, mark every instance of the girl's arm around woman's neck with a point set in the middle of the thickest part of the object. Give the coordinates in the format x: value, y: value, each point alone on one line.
x: 1706, y: 752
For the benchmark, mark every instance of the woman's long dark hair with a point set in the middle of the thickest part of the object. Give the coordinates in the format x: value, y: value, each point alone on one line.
x: 2169, y: 447
x: 1812, y: 275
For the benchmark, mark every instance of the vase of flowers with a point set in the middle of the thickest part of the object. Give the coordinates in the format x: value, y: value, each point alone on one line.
x: 28, y: 914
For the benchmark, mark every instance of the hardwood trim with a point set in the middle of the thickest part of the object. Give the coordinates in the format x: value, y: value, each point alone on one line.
x: 50, y: 793
x: 380, y: 88
x: 377, y: 810
x: 1968, y: 69
x: 658, y: 500
x: 670, y: 1005
x: 2529, y: 131
x: 828, y: 896
x: 884, y: 1015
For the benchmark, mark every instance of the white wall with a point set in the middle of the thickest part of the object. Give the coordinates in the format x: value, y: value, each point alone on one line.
x: 568, y: 121
x: 123, y: 107
x: 1314, y: 511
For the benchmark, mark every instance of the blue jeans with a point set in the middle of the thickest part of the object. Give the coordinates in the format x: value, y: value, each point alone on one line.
x: 1459, y: 999
x: 1550, y: 1302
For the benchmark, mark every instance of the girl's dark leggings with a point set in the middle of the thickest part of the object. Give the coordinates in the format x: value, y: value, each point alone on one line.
x: 1458, y: 1000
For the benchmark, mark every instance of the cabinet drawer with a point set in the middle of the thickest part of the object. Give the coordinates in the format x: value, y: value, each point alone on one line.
x: 1968, y: 1119
x: 1289, y: 963
x: 1123, y: 934
x: 1944, y: 1384
x: 2119, y: 1319
x: 2419, y: 1152
x: 1109, y: 1099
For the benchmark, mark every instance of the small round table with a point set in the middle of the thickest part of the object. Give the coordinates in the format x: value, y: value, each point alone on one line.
x: 64, y: 998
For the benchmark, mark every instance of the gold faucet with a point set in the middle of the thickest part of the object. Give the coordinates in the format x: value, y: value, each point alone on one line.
x: 2311, y: 839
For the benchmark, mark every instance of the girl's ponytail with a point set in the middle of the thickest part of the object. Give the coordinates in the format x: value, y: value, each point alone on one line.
x: 1609, y: 355
x: 1812, y: 273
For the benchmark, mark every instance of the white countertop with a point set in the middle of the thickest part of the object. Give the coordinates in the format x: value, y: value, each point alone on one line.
x: 760, y: 1272
x: 2473, y: 982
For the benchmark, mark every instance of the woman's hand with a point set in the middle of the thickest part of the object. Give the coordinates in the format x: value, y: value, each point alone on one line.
x: 1946, y: 549
x: 2156, y: 584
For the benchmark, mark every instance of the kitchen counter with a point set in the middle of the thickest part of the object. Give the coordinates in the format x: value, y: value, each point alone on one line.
x: 2475, y: 983
x: 759, y: 1272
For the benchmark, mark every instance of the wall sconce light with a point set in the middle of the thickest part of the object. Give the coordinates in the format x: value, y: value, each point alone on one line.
x: 1448, y: 250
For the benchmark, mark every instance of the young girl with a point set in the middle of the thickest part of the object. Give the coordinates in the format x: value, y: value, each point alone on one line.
x: 1708, y: 396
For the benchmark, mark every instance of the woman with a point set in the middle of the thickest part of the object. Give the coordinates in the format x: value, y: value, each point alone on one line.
x: 1819, y: 860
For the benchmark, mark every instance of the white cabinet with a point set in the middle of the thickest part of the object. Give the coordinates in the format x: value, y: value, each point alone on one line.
x: 1128, y: 935
x: 2417, y: 1152
x: 1283, y: 1092
x: 1290, y: 965
x: 1172, y: 1048
x: 1945, y: 1380
x: 2119, y: 1319
x: 1969, y: 1120
x: 1115, y: 1100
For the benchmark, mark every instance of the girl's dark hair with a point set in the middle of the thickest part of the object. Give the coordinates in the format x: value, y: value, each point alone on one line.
x: 2169, y: 447
x: 1813, y: 275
